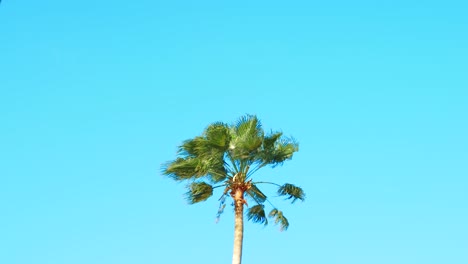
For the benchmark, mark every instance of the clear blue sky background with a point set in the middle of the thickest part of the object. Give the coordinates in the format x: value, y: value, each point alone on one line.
x: 96, y: 95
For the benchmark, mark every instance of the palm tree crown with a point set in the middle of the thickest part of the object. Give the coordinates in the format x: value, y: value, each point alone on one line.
x: 227, y: 156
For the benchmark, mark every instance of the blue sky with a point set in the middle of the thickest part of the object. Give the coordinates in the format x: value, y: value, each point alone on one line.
x: 96, y: 95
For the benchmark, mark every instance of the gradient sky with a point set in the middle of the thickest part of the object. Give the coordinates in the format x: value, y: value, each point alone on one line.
x: 96, y: 95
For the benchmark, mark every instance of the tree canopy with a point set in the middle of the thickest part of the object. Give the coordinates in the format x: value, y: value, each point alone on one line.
x: 227, y: 156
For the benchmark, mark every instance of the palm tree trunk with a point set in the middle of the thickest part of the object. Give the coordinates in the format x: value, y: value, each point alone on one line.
x: 238, y: 226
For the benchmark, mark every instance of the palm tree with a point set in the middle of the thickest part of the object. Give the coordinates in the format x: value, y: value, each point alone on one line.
x: 226, y: 156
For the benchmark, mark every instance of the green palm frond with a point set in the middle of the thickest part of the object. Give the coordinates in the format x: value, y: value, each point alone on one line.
x: 256, y: 194
x: 276, y: 149
x: 279, y: 219
x: 216, y: 171
x: 200, y: 147
x: 181, y: 169
x: 202, y: 156
x: 196, y: 166
x: 248, y: 125
x: 247, y: 137
x: 199, y: 192
x: 257, y: 214
x: 189, y: 168
x: 270, y: 140
x: 190, y: 147
x: 293, y: 192
x: 218, y: 136
x: 283, y: 150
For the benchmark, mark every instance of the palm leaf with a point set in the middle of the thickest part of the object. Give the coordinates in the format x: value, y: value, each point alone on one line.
x: 216, y: 171
x: 256, y: 194
x: 190, y: 147
x: 279, y: 219
x: 257, y: 214
x: 198, y: 192
x: 248, y: 125
x: 247, y: 136
x: 181, y: 169
x: 196, y: 167
x: 276, y: 149
x: 293, y: 192
x: 222, y: 205
x: 284, y: 150
x: 218, y: 136
x: 270, y: 140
